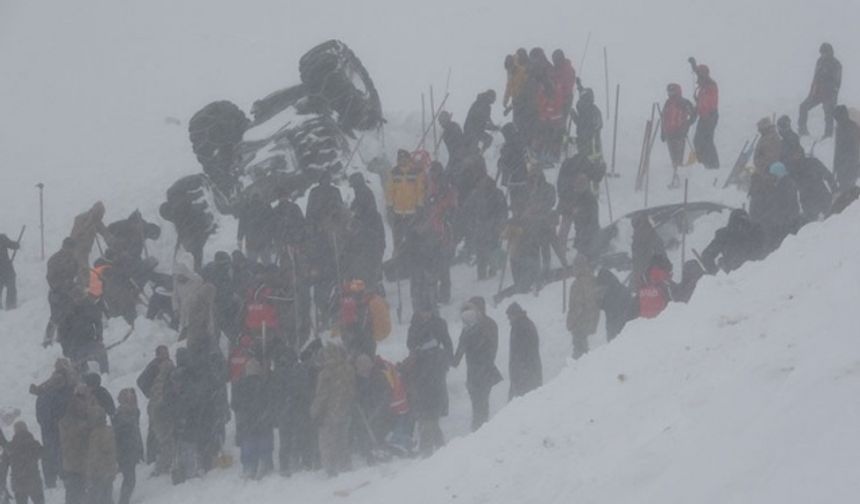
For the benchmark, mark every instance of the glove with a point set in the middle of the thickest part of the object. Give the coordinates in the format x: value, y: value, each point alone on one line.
x: 692, y: 60
x: 507, y: 111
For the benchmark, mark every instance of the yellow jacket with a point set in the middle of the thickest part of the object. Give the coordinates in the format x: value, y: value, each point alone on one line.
x: 405, y: 190
x: 516, y: 80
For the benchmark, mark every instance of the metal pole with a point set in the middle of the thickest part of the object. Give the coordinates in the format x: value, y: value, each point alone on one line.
x: 615, y: 128
x: 584, y: 54
x: 684, y: 223
x: 606, y: 79
x: 41, y: 187
x: 423, y: 121
x: 435, y: 137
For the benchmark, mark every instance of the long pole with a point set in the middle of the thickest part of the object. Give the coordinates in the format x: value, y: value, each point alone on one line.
x: 584, y: 54
x: 423, y: 121
x: 606, y: 79
x: 435, y: 137
x: 18, y: 242
x: 615, y: 129
x: 684, y: 223
x: 41, y: 187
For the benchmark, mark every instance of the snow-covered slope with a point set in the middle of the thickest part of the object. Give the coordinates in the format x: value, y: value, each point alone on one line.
x: 747, y: 394
x: 742, y: 396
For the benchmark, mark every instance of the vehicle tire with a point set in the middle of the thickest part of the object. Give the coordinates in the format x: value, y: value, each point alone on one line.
x: 215, y: 132
x: 337, y: 80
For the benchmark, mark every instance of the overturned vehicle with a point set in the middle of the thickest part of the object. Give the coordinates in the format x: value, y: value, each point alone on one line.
x: 295, y: 134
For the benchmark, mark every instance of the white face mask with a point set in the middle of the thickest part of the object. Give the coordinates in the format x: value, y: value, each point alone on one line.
x: 469, y: 317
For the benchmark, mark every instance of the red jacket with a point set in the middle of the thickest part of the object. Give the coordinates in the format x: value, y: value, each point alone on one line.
x: 654, y: 294
x: 399, y: 404
x: 444, y: 201
x: 564, y: 79
x: 677, y: 113
x: 707, y: 99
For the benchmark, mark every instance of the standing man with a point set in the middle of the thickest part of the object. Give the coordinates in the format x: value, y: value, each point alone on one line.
x: 824, y: 90
x: 404, y: 196
x: 678, y: 115
x: 479, y: 342
x: 846, y: 154
x: 7, y: 271
x: 479, y: 122
x: 707, y: 104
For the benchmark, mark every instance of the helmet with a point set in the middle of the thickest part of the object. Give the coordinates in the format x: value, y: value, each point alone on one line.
x: 703, y: 70
x: 674, y: 89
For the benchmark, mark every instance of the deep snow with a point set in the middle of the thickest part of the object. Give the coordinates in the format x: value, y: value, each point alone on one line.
x: 707, y: 410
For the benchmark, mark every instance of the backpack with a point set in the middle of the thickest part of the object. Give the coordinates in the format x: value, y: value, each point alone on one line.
x: 674, y: 116
x: 380, y: 317
x: 259, y: 310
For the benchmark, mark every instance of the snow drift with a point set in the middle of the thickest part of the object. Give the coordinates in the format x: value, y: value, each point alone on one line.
x: 747, y: 394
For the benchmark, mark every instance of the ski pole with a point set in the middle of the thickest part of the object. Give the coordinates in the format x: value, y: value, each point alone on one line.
x: 18, y: 241
x: 41, y: 187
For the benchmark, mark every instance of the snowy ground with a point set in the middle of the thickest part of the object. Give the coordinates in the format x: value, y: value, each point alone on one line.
x: 742, y: 396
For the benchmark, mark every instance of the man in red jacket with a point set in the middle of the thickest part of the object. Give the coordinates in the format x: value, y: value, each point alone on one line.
x: 707, y: 105
x: 678, y: 115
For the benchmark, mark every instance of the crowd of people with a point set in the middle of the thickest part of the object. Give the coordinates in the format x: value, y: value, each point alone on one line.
x: 301, y: 303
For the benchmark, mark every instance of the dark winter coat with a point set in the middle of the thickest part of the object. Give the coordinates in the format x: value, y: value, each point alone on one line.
x: 792, y: 152
x: 779, y: 207
x: 257, y: 224
x: 617, y: 304
x: 828, y: 77
x: 185, y: 396
x: 100, y: 394
x: 365, y: 201
x: 291, y: 226
x: 455, y: 143
x: 6, y: 244
x: 846, y: 153
x: 589, y: 122
x: 479, y: 344
x: 129, y: 443
x: 512, y: 159
x: 487, y: 211
x: 815, y: 187
x: 324, y: 203
x: 478, y: 120
x: 364, y: 249
x: 525, y: 369
x: 23, y: 453
x: 431, y: 353
x: 80, y: 330
x: 252, y: 401
x: 740, y: 241
x: 52, y: 397
x: 292, y: 382
x: 62, y: 270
